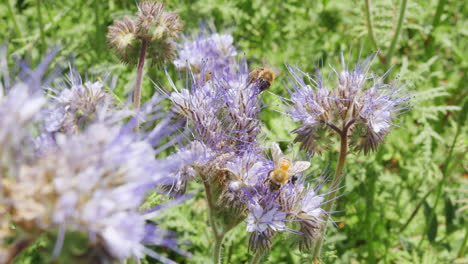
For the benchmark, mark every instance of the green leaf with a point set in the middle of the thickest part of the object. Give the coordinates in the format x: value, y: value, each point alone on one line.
x: 449, y: 215
x: 432, y: 230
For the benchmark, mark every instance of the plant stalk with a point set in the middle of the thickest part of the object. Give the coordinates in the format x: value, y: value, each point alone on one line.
x: 41, y: 26
x: 218, y: 236
x: 334, y: 191
x: 11, y: 13
x: 217, y: 249
x: 256, y: 258
x: 370, y: 23
x: 441, y: 183
x: 463, y: 245
x: 397, y: 32
x: 141, y: 67
x: 430, y: 42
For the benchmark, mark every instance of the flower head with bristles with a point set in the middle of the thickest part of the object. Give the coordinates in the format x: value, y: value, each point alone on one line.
x: 123, y: 39
x: 353, y: 103
x: 152, y: 25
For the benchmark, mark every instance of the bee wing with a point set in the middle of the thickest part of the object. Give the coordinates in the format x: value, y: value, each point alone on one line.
x: 276, y: 71
x: 276, y: 153
x: 298, y: 166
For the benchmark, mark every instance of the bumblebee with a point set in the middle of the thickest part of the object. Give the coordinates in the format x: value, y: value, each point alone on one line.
x: 263, y: 77
x: 284, y: 169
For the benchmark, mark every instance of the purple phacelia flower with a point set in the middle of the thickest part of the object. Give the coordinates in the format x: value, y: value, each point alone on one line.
x: 356, y: 104
x: 92, y: 181
x: 259, y: 219
x: 216, y: 50
x: 21, y: 102
x: 223, y: 111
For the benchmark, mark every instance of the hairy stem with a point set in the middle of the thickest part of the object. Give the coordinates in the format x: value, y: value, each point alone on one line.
x: 370, y: 23
x: 218, y: 236
x: 397, y: 31
x: 11, y: 13
x: 217, y: 249
x: 141, y: 67
x: 333, y: 192
x: 256, y: 258
x: 210, y: 207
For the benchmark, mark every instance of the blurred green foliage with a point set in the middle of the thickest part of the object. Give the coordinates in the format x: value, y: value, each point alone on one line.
x: 388, y: 213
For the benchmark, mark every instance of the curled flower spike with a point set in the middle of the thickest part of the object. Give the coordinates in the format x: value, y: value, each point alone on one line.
x: 356, y: 104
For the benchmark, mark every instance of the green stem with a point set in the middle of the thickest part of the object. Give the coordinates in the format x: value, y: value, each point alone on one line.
x: 141, y: 67
x: 41, y: 26
x: 256, y: 258
x: 11, y: 13
x: 218, y: 237
x: 413, y: 214
x: 463, y: 245
x: 334, y: 191
x: 371, y: 180
x: 435, y: 23
x: 440, y: 185
x: 98, y: 33
x: 397, y: 31
x: 217, y: 249
x: 370, y: 24
x: 210, y: 207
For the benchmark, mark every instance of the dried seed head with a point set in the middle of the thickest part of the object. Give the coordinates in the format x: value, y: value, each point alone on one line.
x: 123, y: 39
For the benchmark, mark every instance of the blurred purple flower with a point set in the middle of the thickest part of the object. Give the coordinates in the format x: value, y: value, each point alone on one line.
x: 216, y: 50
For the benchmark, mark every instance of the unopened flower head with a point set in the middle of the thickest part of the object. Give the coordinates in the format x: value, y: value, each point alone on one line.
x: 153, y: 27
x: 75, y: 102
x: 216, y: 50
x: 123, y: 39
x: 352, y: 102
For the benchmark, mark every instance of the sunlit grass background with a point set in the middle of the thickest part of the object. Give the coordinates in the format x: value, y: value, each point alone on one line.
x: 390, y: 196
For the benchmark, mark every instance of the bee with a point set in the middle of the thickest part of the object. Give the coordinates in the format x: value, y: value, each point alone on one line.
x: 207, y: 76
x: 263, y: 77
x: 203, y: 77
x: 284, y: 169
